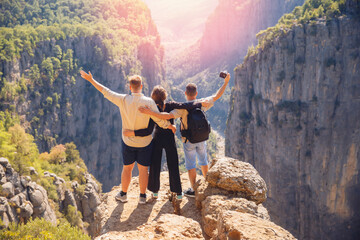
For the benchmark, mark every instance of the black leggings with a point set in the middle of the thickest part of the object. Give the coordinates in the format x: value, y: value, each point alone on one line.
x: 164, y: 141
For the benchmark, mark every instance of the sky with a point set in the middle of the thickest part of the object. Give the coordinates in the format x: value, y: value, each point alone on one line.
x: 180, y: 22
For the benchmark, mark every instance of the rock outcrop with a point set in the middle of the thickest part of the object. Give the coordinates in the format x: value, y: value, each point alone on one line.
x: 232, y: 186
x: 215, y: 213
x: 295, y: 117
x: 21, y: 198
x: 235, y: 176
x: 235, y: 225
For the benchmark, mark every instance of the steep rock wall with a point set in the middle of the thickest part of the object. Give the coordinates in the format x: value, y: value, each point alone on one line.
x: 83, y: 115
x: 295, y: 116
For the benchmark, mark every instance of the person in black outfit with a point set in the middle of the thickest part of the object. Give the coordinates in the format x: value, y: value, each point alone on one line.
x: 163, y: 139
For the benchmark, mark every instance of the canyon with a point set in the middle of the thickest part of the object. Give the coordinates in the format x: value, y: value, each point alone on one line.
x: 294, y: 116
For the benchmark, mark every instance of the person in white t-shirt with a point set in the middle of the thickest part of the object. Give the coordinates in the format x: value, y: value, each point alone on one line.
x: 134, y: 148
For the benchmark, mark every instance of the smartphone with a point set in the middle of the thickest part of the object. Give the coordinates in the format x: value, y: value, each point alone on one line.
x: 223, y: 74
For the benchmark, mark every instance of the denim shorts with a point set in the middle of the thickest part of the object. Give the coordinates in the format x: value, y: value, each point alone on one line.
x: 191, y: 150
x: 140, y: 155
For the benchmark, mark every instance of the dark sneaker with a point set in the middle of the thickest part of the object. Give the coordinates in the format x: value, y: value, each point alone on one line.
x: 189, y: 193
x: 121, y: 196
x: 142, y: 199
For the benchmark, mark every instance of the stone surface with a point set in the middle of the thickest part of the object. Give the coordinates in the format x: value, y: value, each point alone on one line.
x: 213, y: 205
x: 295, y: 117
x: 203, y: 189
x: 168, y: 226
x: 237, y: 176
x: 244, y: 226
x: 7, y: 190
x: 4, y: 161
x: 151, y: 221
x: 39, y: 199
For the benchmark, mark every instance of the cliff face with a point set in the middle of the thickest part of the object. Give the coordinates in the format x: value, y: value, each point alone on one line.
x: 295, y: 116
x: 83, y: 114
x: 57, y: 105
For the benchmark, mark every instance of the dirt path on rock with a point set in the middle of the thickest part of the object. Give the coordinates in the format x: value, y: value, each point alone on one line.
x: 128, y: 217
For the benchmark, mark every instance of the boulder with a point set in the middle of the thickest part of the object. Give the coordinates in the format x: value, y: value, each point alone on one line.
x: 25, y: 207
x: 236, y: 176
x: 4, y: 161
x: 39, y: 199
x: 7, y: 190
x: 203, y: 189
x: 213, y: 205
x: 2, y: 175
x: 69, y: 199
x: 33, y: 171
x: 7, y: 213
x: 238, y: 225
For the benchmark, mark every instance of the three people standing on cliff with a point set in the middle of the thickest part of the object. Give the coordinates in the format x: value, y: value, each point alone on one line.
x: 139, y: 114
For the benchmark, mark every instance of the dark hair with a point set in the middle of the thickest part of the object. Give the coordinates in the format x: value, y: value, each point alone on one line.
x: 191, y: 89
x: 159, y: 95
x: 135, y: 82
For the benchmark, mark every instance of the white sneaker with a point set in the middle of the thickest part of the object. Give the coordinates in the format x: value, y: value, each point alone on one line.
x: 121, y: 198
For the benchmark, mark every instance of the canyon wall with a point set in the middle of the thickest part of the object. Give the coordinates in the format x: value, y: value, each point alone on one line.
x: 58, y: 106
x: 294, y: 115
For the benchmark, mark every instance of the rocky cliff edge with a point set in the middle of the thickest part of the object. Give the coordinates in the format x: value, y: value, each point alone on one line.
x: 227, y: 206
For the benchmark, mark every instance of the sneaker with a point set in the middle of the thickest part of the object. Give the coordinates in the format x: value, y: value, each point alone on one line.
x: 155, y: 195
x: 189, y: 193
x: 121, y: 196
x: 142, y: 199
x: 179, y: 197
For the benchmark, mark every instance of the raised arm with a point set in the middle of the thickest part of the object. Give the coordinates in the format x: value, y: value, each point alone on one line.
x: 221, y: 91
x: 89, y: 78
x: 160, y: 115
x: 186, y: 105
x: 159, y: 121
x: 113, y: 97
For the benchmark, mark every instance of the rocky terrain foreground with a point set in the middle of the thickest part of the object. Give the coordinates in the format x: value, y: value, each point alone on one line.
x: 227, y: 206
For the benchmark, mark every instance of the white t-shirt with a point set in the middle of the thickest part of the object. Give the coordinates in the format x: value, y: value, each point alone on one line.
x: 132, y: 118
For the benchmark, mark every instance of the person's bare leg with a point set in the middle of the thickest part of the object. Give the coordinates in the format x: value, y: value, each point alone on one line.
x: 143, y: 178
x: 126, y: 177
x: 204, y: 170
x: 192, y: 177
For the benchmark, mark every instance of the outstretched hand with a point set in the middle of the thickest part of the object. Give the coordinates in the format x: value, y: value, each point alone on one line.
x: 86, y: 76
x: 145, y: 110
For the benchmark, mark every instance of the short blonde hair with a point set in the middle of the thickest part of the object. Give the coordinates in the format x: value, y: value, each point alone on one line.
x: 135, y: 82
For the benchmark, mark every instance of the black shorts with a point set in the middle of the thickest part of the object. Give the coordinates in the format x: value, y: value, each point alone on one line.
x: 140, y: 155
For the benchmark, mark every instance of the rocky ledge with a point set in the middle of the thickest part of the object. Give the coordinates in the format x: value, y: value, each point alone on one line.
x: 227, y: 206
x: 22, y: 199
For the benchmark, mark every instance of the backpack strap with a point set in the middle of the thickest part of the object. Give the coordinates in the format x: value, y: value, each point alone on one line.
x: 183, y: 131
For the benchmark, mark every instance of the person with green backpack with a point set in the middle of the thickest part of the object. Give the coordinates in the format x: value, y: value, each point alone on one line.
x: 195, y: 129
